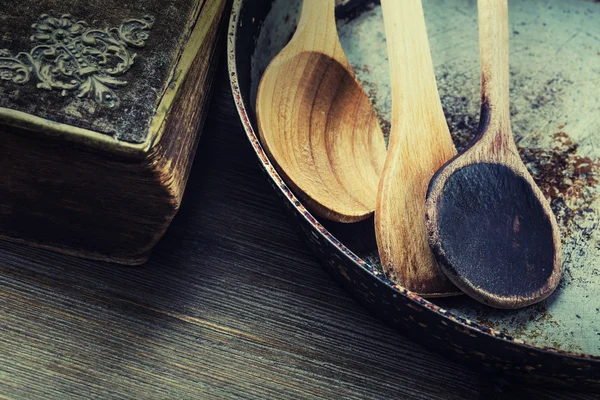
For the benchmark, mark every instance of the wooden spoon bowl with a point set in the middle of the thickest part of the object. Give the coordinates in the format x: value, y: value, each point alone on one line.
x: 317, y: 123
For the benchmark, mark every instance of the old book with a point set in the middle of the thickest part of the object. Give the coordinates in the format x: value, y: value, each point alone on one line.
x: 101, y: 103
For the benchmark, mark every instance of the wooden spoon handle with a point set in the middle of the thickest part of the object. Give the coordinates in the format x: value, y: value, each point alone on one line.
x: 412, y: 75
x: 317, y: 29
x: 420, y: 144
x: 493, y: 44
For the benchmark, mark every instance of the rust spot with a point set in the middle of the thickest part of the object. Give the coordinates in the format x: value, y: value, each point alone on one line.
x: 564, y: 177
x: 585, y: 165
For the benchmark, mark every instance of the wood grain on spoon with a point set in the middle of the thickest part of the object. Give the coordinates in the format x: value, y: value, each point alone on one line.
x: 317, y: 124
x: 489, y: 224
x: 420, y: 143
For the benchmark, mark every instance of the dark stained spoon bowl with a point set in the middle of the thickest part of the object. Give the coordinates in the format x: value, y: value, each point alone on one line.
x: 554, y: 341
x: 493, y: 235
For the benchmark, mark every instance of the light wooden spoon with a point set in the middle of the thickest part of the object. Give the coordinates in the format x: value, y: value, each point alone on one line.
x: 317, y: 123
x: 420, y: 144
x: 489, y: 224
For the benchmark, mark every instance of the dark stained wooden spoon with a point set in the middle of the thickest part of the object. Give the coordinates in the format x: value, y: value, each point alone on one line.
x: 489, y: 225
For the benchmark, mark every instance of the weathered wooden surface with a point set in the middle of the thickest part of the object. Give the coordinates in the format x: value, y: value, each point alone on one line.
x: 231, y: 305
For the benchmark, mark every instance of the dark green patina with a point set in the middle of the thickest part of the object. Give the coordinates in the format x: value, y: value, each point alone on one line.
x: 134, y: 92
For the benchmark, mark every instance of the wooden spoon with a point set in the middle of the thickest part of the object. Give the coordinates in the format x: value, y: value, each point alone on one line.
x: 420, y: 144
x: 317, y: 123
x: 489, y: 224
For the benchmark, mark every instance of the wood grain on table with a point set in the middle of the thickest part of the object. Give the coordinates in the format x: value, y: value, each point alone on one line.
x: 231, y: 305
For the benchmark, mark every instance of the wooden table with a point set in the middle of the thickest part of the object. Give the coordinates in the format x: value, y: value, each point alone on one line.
x: 231, y: 305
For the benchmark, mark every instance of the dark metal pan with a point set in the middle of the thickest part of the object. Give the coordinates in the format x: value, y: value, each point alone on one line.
x: 555, y: 73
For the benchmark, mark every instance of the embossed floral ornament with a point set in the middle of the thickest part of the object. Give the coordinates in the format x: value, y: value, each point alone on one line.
x: 71, y: 57
x: 57, y: 30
